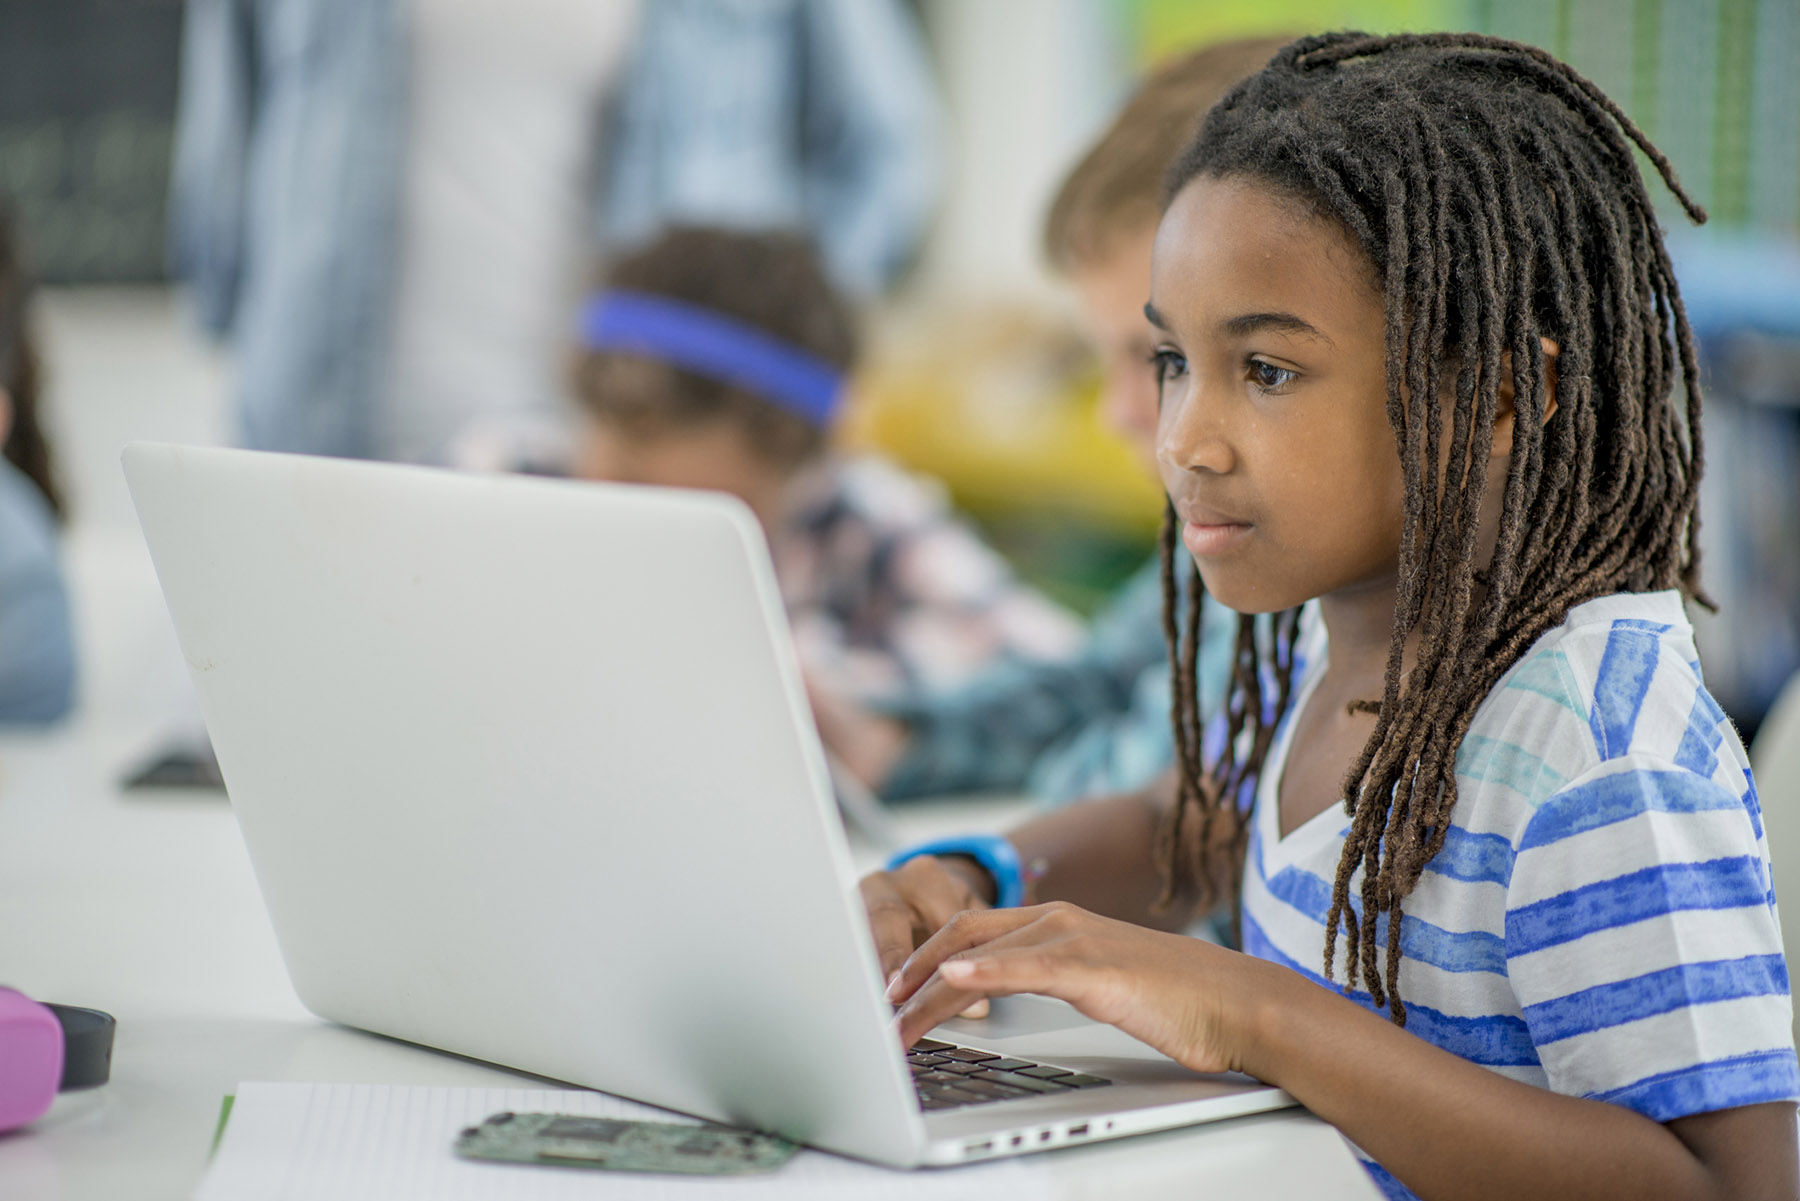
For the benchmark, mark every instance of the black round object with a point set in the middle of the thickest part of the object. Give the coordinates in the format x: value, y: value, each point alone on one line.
x: 87, y: 1045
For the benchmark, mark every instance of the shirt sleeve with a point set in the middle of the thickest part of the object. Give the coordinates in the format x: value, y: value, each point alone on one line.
x: 207, y: 191
x: 871, y: 134
x: 1643, y: 945
x: 807, y: 114
x: 37, y: 658
x: 987, y: 734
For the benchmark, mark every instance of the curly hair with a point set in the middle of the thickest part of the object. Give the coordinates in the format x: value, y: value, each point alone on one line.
x: 772, y: 281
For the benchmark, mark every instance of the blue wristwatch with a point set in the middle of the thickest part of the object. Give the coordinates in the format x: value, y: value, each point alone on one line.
x: 998, y: 857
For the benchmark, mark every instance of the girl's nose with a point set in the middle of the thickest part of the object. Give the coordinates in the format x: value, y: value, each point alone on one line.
x: 1193, y: 435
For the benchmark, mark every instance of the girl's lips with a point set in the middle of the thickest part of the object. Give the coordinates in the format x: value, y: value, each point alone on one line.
x: 1205, y: 541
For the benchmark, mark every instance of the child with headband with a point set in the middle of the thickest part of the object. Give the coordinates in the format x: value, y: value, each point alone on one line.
x: 719, y: 360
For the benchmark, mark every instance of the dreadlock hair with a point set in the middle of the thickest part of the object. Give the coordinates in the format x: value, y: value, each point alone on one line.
x: 1495, y: 193
x: 20, y: 374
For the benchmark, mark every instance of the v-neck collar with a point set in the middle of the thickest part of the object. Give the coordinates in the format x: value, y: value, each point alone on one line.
x: 1322, y: 827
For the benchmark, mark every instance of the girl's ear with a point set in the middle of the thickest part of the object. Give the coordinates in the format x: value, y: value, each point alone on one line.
x: 1503, y: 421
x: 6, y: 416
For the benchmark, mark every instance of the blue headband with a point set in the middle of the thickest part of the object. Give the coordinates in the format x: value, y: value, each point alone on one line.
x: 711, y: 344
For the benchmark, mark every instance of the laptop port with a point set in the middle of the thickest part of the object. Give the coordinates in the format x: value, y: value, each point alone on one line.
x: 1043, y: 1136
x: 1018, y: 1139
x: 1078, y: 1131
x: 978, y: 1148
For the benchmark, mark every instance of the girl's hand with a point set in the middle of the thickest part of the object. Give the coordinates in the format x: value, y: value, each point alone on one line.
x: 1167, y: 990
x: 911, y: 903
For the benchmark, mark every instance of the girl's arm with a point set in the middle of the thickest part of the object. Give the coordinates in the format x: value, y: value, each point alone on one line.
x: 1098, y: 854
x: 1450, y: 1128
x: 1445, y: 1127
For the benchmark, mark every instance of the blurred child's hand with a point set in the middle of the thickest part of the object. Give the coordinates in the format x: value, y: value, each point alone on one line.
x: 1183, y: 996
x: 867, y: 744
x: 911, y: 903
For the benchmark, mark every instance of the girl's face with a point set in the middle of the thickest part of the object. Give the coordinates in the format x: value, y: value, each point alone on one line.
x: 1273, y: 438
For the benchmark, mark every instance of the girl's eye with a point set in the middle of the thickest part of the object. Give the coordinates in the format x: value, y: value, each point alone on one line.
x: 1167, y: 364
x: 1269, y: 377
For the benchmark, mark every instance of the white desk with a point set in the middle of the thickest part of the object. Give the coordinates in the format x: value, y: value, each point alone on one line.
x: 144, y: 905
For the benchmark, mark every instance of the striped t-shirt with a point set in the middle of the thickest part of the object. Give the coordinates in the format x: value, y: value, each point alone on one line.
x: 1600, y: 921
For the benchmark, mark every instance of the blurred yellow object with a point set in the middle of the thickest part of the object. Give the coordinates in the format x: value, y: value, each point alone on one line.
x: 1002, y: 404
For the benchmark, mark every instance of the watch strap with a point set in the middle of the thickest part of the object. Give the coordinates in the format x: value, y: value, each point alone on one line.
x: 997, y: 856
x: 87, y: 1046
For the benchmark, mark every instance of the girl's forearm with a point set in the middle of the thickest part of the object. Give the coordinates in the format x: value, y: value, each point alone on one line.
x: 1100, y: 855
x: 1452, y: 1129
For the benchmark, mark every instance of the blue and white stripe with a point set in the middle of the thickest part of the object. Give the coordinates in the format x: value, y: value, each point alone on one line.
x: 1600, y: 921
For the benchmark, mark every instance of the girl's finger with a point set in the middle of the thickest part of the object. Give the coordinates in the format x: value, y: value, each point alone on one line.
x: 939, y: 895
x: 970, y: 928
x: 891, y: 922
x: 987, y: 973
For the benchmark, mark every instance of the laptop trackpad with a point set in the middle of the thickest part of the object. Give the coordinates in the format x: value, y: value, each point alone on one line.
x: 1013, y: 1017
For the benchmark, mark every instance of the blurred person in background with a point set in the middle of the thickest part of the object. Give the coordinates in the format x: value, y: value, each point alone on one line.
x: 37, y: 659
x: 1098, y: 723
x: 719, y: 359
x: 385, y: 205
x: 816, y: 116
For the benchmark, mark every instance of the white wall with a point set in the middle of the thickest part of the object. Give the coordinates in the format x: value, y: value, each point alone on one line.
x: 1027, y: 83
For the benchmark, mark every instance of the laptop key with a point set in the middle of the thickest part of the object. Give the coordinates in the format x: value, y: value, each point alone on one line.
x: 933, y: 1076
x: 990, y: 1088
x: 960, y: 1095
x: 1029, y: 1083
x: 947, y: 1076
x: 969, y: 1055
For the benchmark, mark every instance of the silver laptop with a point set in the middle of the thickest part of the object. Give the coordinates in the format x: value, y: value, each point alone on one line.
x: 526, y: 772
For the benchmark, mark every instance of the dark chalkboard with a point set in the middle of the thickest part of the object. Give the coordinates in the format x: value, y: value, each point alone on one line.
x: 87, y: 105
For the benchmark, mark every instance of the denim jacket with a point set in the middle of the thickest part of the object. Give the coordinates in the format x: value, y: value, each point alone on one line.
x: 37, y: 655
x: 291, y: 134
x: 816, y: 114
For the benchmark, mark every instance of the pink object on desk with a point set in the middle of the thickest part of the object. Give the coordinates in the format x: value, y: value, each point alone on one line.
x: 31, y: 1058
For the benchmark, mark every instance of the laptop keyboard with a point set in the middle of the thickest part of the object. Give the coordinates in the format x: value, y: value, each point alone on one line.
x: 948, y: 1076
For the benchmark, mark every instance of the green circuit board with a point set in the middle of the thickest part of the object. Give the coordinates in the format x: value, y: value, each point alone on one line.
x: 568, y: 1140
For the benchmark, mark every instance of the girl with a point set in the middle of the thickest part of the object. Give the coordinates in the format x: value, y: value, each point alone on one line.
x: 1418, y: 344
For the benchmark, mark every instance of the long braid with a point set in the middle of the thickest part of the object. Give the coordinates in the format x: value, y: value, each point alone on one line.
x: 1496, y: 193
x: 1202, y: 827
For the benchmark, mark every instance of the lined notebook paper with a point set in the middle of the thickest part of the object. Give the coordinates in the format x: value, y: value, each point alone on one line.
x: 374, y: 1142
